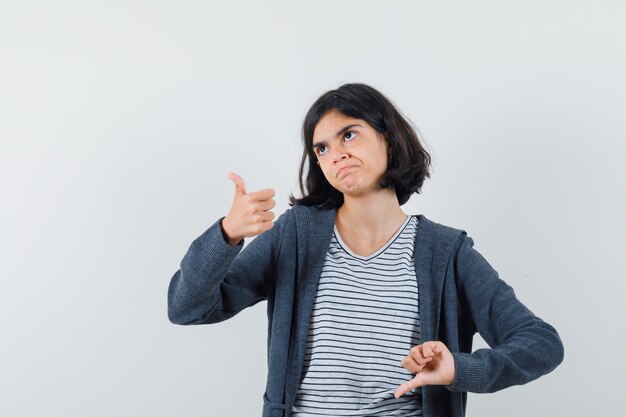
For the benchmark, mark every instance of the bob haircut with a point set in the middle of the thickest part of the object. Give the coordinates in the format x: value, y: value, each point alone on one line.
x: 409, y: 162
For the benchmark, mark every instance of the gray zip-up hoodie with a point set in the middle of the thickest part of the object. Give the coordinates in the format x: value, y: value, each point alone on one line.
x: 460, y: 294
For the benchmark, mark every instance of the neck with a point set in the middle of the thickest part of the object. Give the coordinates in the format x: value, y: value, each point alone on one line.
x: 372, y: 215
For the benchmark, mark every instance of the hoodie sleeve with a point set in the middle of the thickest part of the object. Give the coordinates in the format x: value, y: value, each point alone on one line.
x: 522, y: 346
x: 217, y: 280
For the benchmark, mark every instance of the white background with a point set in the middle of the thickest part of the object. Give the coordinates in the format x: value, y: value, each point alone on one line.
x: 119, y: 122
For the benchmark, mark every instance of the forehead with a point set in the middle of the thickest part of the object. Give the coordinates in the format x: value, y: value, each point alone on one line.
x: 333, y: 121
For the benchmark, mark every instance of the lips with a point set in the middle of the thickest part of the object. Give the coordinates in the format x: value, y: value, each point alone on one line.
x: 343, y: 170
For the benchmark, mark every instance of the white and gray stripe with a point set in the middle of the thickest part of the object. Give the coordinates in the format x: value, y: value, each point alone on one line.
x: 364, y: 321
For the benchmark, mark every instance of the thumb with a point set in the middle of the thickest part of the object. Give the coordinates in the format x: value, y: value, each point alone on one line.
x: 240, y: 186
x: 408, y: 386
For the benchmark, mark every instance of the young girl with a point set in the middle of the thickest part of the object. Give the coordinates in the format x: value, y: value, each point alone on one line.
x: 371, y: 311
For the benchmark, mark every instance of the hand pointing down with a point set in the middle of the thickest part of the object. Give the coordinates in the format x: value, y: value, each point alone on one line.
x: 432, y: 363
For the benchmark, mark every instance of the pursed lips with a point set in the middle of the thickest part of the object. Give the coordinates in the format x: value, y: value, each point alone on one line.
x: 344, y: 169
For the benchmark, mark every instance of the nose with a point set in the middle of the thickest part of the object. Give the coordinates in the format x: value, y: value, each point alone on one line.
x: 339, y: 154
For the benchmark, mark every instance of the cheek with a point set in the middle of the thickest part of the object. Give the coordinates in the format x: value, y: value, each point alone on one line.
x: 325, y: 173
x: 381, y: 161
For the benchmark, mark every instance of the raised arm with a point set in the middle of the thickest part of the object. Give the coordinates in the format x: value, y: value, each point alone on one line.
x: 217, y: 279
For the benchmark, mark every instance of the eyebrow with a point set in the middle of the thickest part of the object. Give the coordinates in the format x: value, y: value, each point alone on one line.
x: 339, y: 133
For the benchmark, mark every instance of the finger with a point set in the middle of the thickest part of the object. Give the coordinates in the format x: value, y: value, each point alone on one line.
x: 266, y: 216
x: 240, y: 186
x: 410, y: 365
x: 417, y: 353
x: 263, y: 216
x: 408, y: 386
x: 262, y: 195
x: 265, y: 205
x: 437, y: 348
x: 428, y: 349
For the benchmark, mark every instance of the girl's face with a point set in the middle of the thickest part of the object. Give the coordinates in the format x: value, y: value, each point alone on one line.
x: 352, y: 155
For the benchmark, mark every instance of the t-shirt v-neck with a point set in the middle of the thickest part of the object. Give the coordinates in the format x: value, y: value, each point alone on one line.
x: 379, y: 250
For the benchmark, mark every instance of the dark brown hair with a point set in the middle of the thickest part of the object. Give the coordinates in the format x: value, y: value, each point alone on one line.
x: 409, y: 162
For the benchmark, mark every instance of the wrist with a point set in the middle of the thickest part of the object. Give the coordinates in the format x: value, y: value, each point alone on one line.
x: 231, y: 240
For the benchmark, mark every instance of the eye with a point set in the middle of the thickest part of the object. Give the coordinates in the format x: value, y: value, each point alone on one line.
x: 351, y: 135
x: 321, y: 150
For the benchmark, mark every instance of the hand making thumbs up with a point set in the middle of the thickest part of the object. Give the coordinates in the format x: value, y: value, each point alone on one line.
x: 249, y: 214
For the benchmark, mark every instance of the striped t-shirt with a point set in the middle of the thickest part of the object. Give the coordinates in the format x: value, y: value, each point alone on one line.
x: 364, y: 321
